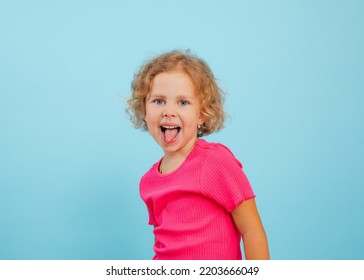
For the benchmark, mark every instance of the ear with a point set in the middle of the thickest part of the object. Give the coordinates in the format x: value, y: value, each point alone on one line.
x: 201, y: 119
x: 144, y: 113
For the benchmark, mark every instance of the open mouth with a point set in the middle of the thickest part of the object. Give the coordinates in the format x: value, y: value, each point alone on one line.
x: 170, y: 132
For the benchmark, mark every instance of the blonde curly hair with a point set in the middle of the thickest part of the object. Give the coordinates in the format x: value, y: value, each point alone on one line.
x: 210, y: 95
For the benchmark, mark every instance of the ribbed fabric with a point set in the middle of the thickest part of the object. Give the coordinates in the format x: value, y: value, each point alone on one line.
x: 190, y: 207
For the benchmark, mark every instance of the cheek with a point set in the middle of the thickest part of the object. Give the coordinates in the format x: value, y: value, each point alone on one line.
x: 150, y: 117
x: 147, y: 113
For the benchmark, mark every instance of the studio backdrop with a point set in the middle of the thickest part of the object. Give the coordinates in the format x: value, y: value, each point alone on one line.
x: 71, y: 161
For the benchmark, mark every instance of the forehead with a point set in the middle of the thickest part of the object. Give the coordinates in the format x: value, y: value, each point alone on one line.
x: 175, y: 82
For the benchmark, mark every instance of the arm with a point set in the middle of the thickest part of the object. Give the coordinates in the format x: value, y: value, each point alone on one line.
x: 247, y: 220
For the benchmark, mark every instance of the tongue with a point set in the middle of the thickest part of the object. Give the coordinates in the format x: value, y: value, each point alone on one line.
x: 170, y: 134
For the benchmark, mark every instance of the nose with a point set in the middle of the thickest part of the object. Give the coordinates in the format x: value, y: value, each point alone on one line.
x: 169, y: 111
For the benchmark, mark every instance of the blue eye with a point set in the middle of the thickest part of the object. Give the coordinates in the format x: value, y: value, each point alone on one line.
x: 158, y: 101
x: 184, y: 102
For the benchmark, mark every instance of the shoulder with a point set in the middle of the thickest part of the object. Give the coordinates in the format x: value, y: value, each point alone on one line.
x: 212, y: 146
x: 151, y: 173
x: 217, y: 153
x: 222, y: 178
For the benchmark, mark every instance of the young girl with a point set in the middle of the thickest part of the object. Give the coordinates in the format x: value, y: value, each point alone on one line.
x: 198, y: 198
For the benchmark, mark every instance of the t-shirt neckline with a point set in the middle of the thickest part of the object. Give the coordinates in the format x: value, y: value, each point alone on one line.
x: 156, y: 168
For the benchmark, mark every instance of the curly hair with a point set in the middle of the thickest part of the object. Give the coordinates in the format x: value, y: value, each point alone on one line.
x: 210, y: 95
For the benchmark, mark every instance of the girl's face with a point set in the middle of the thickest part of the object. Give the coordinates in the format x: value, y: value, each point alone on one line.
x: 173, y: 112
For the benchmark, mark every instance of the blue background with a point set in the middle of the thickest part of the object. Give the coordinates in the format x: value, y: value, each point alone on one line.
x: 70, y: 161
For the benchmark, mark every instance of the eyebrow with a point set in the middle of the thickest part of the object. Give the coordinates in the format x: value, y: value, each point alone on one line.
x: 158, y: 95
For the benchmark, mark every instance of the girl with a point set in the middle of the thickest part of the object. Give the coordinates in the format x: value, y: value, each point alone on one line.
x: 198, y: 198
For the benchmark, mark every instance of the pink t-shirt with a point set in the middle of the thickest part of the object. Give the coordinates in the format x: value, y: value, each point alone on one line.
x: 190, y: 207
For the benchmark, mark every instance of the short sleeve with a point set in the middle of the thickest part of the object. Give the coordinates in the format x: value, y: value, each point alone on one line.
x: 223, y: 180
x: 144, y: 190
x: 151, y: 217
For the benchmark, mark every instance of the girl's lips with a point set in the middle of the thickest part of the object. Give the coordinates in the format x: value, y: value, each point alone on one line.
x: 169, y: 127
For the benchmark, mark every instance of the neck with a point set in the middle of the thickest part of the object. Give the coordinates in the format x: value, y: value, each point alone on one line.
x: 171, y: 161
